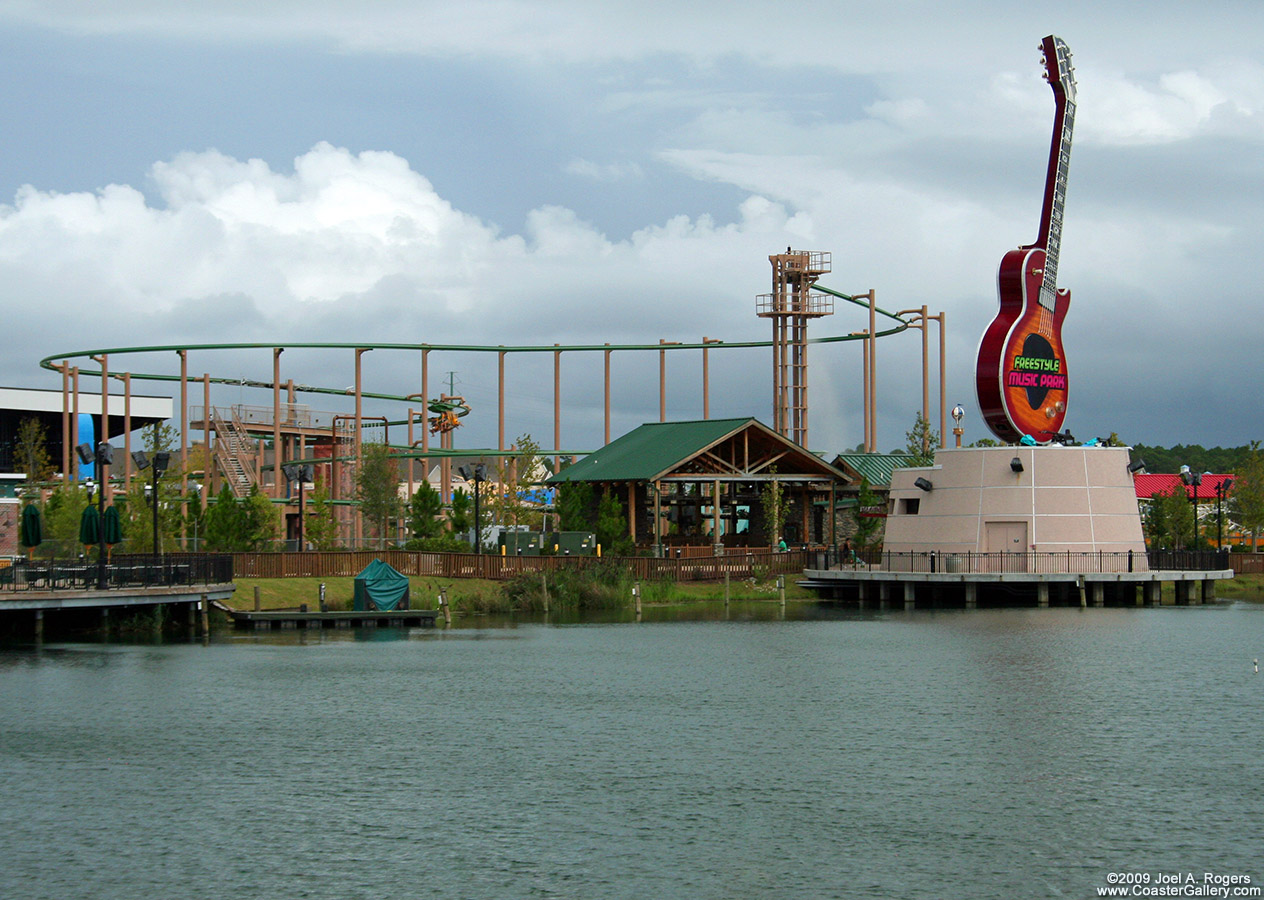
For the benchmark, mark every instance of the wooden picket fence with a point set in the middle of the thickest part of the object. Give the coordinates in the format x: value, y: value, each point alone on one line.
x: 348, y: 563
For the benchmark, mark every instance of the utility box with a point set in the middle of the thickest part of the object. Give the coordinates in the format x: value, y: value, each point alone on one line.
x: 575, y: 543
x: 522, y: 543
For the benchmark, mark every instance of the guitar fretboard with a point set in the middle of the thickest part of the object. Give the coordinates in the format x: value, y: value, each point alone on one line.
x: 1056, y: 200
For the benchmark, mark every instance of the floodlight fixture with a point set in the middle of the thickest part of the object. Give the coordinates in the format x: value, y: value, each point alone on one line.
x: 1016, y: 464
x: 923, y: 484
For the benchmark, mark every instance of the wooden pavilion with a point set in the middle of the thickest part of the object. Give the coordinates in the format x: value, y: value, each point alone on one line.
x: 705, y: 483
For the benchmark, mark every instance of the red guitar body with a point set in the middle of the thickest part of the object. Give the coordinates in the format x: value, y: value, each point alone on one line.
x: 1021, y: 373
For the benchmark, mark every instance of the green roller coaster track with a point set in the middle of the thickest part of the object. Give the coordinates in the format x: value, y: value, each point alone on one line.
x: 52, y: 363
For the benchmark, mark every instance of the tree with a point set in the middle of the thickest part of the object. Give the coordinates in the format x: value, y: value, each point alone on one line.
x: 62, y: 511
x: 30, y: 451
x: 425, y: 511
x: 574, y: 506
x: 136, y: 507
x: 234, y: 525
x: 320, y: 525
x: 377, y: 488
x: 574, y: 503
x: 1246, y: 503
x: 461, y: 513
x: 774, y: 505
x: 262, y: 520
x: 1169, y: 519
x: 137, y: 514
x: 867, y: 524
x: 612, y: 526
x: 225, y: 524
x: 921, y: 443
x: 516, y: 478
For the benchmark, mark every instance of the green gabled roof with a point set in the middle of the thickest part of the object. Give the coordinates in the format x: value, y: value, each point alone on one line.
x: 678, y: 449
x: 648, y: 451
x: 876, y: 467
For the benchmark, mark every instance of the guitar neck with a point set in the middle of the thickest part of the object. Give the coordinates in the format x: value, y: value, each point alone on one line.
x: 1055, y: 194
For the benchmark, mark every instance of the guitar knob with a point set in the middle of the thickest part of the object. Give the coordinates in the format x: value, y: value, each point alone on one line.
x: 1059, y: 406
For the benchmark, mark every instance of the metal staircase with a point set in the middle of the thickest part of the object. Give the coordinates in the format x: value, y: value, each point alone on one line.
x: 235, y: 453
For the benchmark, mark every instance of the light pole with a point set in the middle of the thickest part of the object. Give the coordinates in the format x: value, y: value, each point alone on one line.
x: 302, y: 474
x: 1222, y: 491
x: 476, y: 474
x: 161, y: 460
x: 104, y: 455
x: 1195, y: 479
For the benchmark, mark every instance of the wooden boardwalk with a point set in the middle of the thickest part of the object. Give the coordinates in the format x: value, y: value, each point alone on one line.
x: 265, y: 620
x: 917, y: 590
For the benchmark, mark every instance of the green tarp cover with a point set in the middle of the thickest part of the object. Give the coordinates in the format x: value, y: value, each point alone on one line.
x: 380, y: 586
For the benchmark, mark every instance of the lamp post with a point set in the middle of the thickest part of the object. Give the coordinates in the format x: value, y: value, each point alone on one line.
x: 1222, y: 491
x: 104, y: 455
x: 161, y: 460
x: 958, y: 413
x: 476, y: 474
x: 302, y: 474
x: 1195, y: 479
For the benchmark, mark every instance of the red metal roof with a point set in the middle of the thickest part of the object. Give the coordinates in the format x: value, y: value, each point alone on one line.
x: 1148, y: 485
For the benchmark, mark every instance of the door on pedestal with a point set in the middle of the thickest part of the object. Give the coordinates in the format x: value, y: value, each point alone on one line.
x: 1009, y: 539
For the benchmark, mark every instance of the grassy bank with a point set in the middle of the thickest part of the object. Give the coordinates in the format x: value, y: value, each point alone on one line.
x: 1243, y: 587
x: 476, y: 596
x: 471, y: 595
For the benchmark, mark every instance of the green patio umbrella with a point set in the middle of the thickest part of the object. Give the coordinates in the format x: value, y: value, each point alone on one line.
x: 111, y: 529
x: 31, y: 533
x: 90, y: 526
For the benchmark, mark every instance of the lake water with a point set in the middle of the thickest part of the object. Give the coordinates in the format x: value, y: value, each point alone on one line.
x: 971, y: 754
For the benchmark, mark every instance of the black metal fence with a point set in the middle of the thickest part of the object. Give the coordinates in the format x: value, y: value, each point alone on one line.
x: 1037, y: 563
x: 121, y: 571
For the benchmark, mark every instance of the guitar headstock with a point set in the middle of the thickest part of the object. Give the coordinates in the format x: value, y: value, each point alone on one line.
x: 1058, y: 69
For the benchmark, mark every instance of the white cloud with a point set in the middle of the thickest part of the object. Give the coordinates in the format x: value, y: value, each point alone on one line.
x: 1178, y: 106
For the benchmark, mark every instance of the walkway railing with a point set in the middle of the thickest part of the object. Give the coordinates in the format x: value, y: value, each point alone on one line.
x: 122, y: 571
x: 1058, y: 562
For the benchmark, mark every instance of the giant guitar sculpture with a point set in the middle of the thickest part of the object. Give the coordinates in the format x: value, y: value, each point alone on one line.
x: 1021, y: 373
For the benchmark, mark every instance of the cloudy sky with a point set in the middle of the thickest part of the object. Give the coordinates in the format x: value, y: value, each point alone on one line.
x: 508, y: 172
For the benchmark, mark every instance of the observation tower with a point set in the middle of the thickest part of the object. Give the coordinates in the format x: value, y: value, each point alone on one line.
x: 790, y: 305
